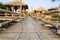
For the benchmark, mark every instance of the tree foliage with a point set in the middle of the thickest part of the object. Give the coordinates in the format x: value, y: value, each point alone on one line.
x: 2, y: 6
x: 55, y: 0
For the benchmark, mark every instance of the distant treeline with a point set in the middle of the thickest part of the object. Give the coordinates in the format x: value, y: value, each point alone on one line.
x: 55, y: 0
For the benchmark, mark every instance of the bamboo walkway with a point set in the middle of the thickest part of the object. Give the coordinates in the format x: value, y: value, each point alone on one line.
x: 29, y: 29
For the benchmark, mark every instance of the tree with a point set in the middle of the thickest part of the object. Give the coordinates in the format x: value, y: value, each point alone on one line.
x: 2, y: 6
x: 55, y: 0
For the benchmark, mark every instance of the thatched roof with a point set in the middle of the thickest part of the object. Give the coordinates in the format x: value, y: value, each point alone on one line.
x: 41, y: 8
x: 14, y: 3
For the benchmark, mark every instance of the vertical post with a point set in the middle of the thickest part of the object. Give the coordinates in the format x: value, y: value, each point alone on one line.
x: 20, y: 11
x: 23, y: 12
x: 59, y: 10
x: 38, y: 14
x: 12, y: 14
x: 58, y: 28
x: 12, y: 9
x: 6, y: 14
x: 7, y: 8
x: 20, y: 6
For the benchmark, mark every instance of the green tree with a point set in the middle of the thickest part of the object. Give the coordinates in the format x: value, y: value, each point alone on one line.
x: 55, y: 0
x: 2, y: 6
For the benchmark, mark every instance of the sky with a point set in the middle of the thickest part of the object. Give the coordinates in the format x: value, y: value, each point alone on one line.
x: 37, y: 3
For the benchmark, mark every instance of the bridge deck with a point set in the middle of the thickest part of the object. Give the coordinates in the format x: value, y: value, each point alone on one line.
x: 29, y: 29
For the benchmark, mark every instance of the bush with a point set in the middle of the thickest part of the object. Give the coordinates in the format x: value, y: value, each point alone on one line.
x: 55, y: 16
x: 2, y: 6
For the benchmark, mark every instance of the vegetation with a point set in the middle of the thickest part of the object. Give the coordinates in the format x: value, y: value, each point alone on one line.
x: 2, y: 6
x: 55, y: 16
x: 55, y: 0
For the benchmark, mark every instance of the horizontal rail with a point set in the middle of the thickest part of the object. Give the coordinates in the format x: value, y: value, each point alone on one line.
x: 58, y: 11
x: 2, y: 10
x: 56, y: 24
x: 7, y: 22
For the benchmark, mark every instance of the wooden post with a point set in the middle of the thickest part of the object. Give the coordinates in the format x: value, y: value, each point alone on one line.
x: 7, y: 8
x: 58, y: 28
x: 24, y: 12
x: 58, y: 31
x: 20, y: 8
x: 6, y: 14
x: 12, y: 15
x: 38, y: 14
x: 12, y: 9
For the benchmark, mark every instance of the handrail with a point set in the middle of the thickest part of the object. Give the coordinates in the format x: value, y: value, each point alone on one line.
x: 58, y: 11
x: 8, y: 11
x: 56, y: 24
x: 6, y: 22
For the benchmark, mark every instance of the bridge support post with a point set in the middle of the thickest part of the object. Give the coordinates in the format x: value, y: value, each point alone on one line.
x: 58, y: 30
x: 6, y: 14
x: 12, y: 15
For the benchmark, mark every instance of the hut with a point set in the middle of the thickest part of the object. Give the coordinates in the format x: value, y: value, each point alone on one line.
x: 16, y: 6
x: 39, y: 12
x: 52, y: 14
